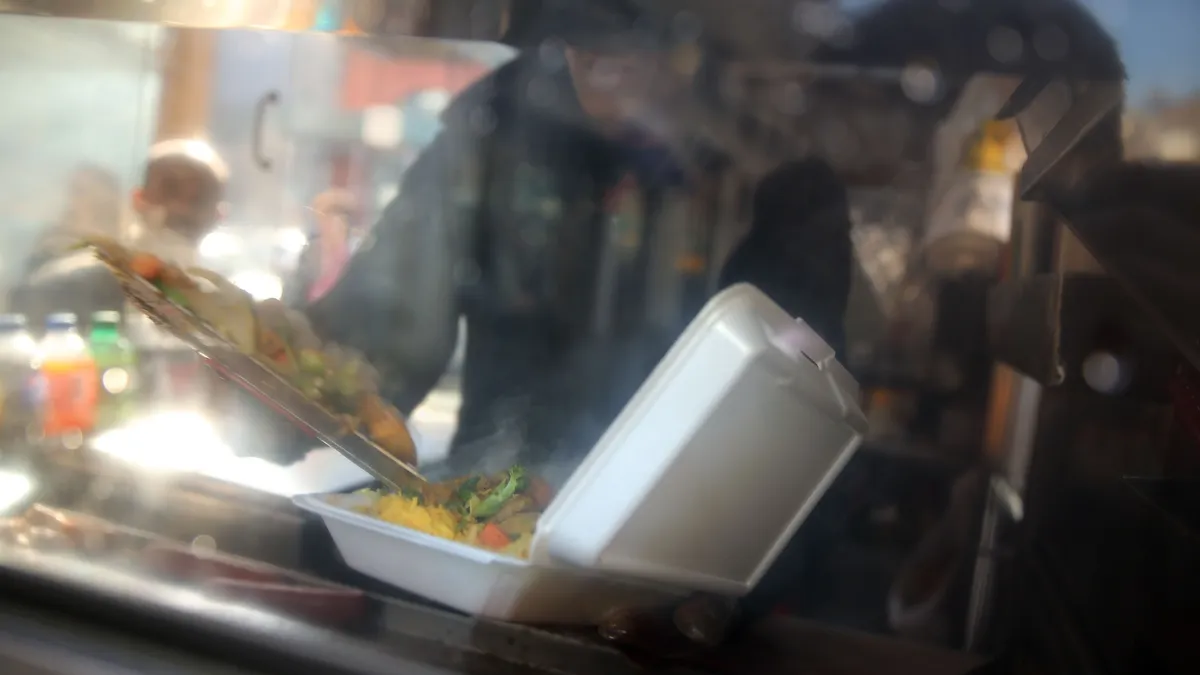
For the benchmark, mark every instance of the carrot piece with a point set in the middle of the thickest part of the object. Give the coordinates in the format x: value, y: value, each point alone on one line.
x: 146, y: 266
x: 491, y: 536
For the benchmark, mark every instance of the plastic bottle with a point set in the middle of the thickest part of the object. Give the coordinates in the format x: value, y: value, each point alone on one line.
x: 972, y: 221
x: 116, y: 365
x: 18, y: 375
x: 68, y: 376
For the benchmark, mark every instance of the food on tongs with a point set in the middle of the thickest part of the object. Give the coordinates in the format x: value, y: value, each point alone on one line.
x: 274, y: 337
x: 224, y: 306
x: 208, y: 295
x: 385, y: 425
x: 498, y: 512
x: 337, y: 378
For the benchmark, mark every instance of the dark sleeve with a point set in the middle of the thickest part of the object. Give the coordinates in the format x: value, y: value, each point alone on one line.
x: 397, y: 301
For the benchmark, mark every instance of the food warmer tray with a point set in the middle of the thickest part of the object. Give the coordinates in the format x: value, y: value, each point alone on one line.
x: 261, y: 381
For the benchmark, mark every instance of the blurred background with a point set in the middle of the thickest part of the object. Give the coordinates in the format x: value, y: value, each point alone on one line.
x: 959, y: 405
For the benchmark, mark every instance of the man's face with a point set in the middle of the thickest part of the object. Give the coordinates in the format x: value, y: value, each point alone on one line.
x: 618, y: 88
x: 182, y: 197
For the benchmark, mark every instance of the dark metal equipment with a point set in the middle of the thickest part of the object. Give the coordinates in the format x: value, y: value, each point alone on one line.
x: 1091, y: 526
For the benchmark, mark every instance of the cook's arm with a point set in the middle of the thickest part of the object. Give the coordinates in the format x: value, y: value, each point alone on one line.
x: 397, y: 301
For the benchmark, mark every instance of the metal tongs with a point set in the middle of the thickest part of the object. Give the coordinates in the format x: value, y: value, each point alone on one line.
x: 262, y: 381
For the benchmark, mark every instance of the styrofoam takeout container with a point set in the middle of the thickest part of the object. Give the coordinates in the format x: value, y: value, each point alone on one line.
x: 697, y: 485
x: 472, y: 579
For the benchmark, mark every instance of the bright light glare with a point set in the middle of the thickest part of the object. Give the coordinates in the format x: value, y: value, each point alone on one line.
x: 219, y: 245
x: 173, y: 441
x: 186, y: 442
x: 14, y: 487
x: 260, y: 285
x: 292, y: 240
x: 115, y: 380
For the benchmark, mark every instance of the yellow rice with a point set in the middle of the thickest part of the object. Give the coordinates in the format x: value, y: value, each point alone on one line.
x: 438, y: 521
x: 405, y: 511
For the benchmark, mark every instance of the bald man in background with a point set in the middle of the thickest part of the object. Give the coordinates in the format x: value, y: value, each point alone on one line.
x: 177, y: 205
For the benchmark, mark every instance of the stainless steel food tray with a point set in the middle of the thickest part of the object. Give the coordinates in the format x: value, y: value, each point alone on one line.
x: 260, y: 380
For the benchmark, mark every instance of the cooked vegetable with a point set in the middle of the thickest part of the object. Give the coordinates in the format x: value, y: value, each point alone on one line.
x: 312, y: 361
x: 516, y: 505
x: 491, y: 536
x: 468, y: 502
x: 446, y: 493
x: 488, y: 506
x: 146, y: 266
x: 467, y: 488
x: 176, y: 296
x: 272, y: 346
x: 386, y: 426
x: 518, y: 525
x: 224, y: 306
x: 350, y: 378
x: 398, y: 443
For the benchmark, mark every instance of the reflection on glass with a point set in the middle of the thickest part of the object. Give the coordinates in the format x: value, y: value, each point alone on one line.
x: 220, y: 244
x: 186, y: 442
x: 260, y: 285
x: 14, y: 488
x: 576, y: 210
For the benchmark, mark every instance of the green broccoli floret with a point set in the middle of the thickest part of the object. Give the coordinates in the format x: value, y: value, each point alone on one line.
x: 490, y: 505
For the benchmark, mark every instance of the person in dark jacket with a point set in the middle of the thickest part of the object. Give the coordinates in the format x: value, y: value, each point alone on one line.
x: 504, y: 220
x: 501, y: 221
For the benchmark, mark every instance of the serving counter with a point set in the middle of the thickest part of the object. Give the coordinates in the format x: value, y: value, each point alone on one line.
x: 208, y: 513
x: 407, y: 636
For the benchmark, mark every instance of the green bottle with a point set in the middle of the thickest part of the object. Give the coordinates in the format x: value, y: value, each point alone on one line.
x: 116, y: 366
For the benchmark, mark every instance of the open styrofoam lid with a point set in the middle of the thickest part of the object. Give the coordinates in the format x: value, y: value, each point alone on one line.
x: 718, y: 458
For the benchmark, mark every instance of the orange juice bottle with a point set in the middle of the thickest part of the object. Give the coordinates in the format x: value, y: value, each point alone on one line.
x: 69, y: 384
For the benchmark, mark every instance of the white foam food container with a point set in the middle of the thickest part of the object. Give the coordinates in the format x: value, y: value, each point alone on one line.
x: 696, y: 486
